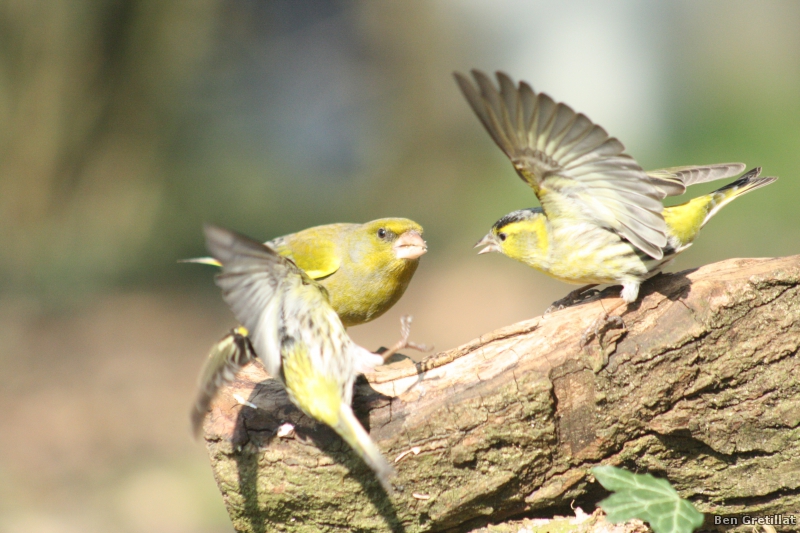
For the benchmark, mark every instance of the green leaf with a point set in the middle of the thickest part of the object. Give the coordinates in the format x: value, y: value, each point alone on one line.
x: 647, y: 498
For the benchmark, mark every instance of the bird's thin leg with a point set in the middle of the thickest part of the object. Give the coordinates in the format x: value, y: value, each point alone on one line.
x: 405, y: 331
x: 571, y: 298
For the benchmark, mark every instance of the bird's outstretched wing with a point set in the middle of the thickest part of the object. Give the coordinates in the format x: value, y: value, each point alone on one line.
x: 575, y: 168
x: 255, y: 282
x: 674, y: 180
x: 225, y: 359
x: 315, y: 250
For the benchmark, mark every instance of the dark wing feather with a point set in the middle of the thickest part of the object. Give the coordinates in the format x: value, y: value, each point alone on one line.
x: 224, y: 360
x: 673, y: 181
x: 254, y: 281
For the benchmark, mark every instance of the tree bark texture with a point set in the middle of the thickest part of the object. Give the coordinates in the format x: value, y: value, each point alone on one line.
x: 701, y: 385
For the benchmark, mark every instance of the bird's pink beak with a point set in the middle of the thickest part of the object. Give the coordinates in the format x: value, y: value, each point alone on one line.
x: 490, y: 242
x: 410, y: 245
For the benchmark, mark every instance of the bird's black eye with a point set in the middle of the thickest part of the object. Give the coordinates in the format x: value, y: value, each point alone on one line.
x: 501, y: 236
x: 382, y: 233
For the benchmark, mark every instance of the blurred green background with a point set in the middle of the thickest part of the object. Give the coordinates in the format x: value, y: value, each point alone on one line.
x: 124, y: 125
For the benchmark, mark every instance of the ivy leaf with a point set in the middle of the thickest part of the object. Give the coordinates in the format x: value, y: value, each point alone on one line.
x: 647, y: 498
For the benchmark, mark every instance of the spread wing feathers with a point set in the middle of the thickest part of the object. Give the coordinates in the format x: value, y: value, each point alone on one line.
x: 258, y: 283
x: 224, y: 360
x: 673, y: 181
x: 315, y: 250
x: 278, y: 303
x: 572, y: 164
x: 201, y: 261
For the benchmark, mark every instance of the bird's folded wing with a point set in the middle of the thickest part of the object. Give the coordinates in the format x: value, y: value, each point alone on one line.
x: 674, y: 180
x: 255, y: 283
x: 572, y: 164
x: 315, y: 250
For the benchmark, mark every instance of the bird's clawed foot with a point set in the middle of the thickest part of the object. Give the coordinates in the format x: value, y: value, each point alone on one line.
x: 576, y: 296
x: 405, y: 332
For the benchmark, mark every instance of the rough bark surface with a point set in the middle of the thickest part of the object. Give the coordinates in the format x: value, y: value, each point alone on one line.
x: 701, y: 386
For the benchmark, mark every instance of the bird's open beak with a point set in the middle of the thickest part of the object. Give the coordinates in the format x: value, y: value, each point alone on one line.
x: 490, y: 242
x: 410, y: 245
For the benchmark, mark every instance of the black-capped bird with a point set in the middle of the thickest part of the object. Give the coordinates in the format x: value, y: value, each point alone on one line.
x: 601, y: 218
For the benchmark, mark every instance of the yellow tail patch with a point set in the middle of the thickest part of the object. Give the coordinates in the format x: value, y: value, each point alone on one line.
x: 685, y: 220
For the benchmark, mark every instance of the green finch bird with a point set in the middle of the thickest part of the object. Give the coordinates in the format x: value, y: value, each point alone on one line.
x: 366, y: 268
x: 294, y: 330
x: 601, y: 218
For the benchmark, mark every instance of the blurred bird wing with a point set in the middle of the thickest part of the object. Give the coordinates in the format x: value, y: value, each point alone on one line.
x: 201, y: 261
x: 256, y: 283
x: 316, y: 250
x: 572, y: 164
x: 674, y: 180
x: 224, y: 360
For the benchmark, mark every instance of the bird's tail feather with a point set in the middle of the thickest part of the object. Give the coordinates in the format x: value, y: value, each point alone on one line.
x: 673, y: 181
x: 748, y: 182
x: 350, y: 429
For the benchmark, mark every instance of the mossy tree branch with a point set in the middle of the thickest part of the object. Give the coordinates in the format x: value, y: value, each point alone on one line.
x: 702, y: 386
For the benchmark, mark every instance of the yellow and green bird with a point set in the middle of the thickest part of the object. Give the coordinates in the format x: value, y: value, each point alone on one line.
x: 295, y: 331
x: 601, y: 218
x: 364, y: 269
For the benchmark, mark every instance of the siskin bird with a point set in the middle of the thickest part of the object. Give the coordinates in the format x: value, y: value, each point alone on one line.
x: 364, y: 270
x: 601, y: 218
x: 294, y: 330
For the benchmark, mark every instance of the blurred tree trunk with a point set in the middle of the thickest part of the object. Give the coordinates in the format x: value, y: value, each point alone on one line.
x: 702, y: 387
x: 91, y: 93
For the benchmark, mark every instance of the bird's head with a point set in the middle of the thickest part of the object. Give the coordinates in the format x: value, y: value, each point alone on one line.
x: 391, y: 240
x: 516, y: 235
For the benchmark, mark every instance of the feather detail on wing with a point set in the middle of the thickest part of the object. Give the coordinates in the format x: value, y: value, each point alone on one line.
x: 572, y: 164
x: 225, y: 359
x: 674, y: 180
x: 315, y: 250
x: 256, y: 282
